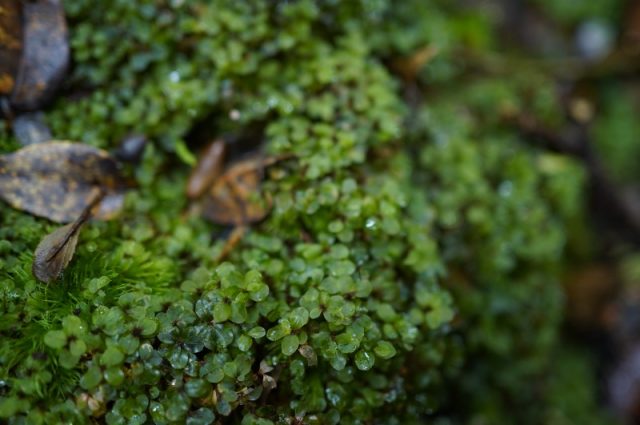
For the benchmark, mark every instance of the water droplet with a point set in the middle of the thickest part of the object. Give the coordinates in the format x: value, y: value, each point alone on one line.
x: 505, y: 189
x: 174, y: 76
x: 594, y: 39
x: 234, y: 114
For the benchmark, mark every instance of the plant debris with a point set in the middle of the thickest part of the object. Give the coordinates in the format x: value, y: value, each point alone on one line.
x: 56, y: 180
x: 10, y: 44
x: 45, y: 51
x: 207, y: 169
x: 235, y: 198
x: 55, y: 251
x: 231, y: 197
x: 408, y: 67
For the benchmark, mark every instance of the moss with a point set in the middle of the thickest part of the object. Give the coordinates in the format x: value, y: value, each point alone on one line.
x: 408, y: 270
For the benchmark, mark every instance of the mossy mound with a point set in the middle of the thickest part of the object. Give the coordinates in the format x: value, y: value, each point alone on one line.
x: 408, y: 270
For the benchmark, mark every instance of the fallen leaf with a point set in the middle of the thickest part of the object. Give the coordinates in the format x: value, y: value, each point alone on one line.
x: 409, y: 66
x: 56, y: 179
x: 45, y: 54
x: 207, y: 169
x: 10, y: 43
x: 47, y: 267
x: 55, y: 251
x: 235, y: 198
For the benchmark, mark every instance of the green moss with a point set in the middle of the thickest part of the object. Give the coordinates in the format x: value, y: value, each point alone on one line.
x: 407, y: 272
x: 614, y: 134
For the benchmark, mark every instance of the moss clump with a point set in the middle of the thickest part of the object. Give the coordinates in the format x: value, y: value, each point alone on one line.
x: 406, y: 273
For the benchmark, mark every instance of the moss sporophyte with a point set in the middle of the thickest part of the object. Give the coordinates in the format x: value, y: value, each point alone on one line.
x: 384, y: 277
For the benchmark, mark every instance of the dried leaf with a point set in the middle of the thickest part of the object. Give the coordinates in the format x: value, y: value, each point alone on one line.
x: 409, y: 66
x: 10, y: 43
x: 45, y: 54
x: 235, y: 198
x: 47, y: 270
x: 55, y: 251
x: 56, y: 180
x: 207, y: 169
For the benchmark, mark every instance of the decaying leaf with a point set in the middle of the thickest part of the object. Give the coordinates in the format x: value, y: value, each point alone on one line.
x: 55, y: 251
x: 235, y: 198
x: 56, y: 180
x: 10, y: 43
x: 45, y: 54
x: 207, y: 169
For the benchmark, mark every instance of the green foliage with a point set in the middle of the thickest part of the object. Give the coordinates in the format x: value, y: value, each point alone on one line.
x: 407, y: 272
x: 573, y: 12
x: 615, y: 134
x: 571, y: 391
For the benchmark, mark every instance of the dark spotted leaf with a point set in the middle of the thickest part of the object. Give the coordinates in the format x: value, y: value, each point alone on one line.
x: 45, y: 54
x: 56, y: 180
x: 55, y: 251
x: 10, y: 43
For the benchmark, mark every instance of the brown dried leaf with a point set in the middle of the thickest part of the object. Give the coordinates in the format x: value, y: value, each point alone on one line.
x: 56, y: 180
x: 235, y: 198
x: 409, y: 66
x: 207, y: 170
x: 45, y: 54
x: 10, y: 43
x: 48, y: 267
x: 55, y: 251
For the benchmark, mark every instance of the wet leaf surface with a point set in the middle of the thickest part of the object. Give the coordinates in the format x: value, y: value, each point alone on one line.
x: 56, y: 180
x: 45, y: 54
x: 10, y: 43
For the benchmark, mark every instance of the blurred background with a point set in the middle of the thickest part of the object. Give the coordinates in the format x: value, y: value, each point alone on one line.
x: 591, y: 51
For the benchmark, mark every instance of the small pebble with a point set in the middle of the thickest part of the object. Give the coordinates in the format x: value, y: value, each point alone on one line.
x: 30, y: 128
